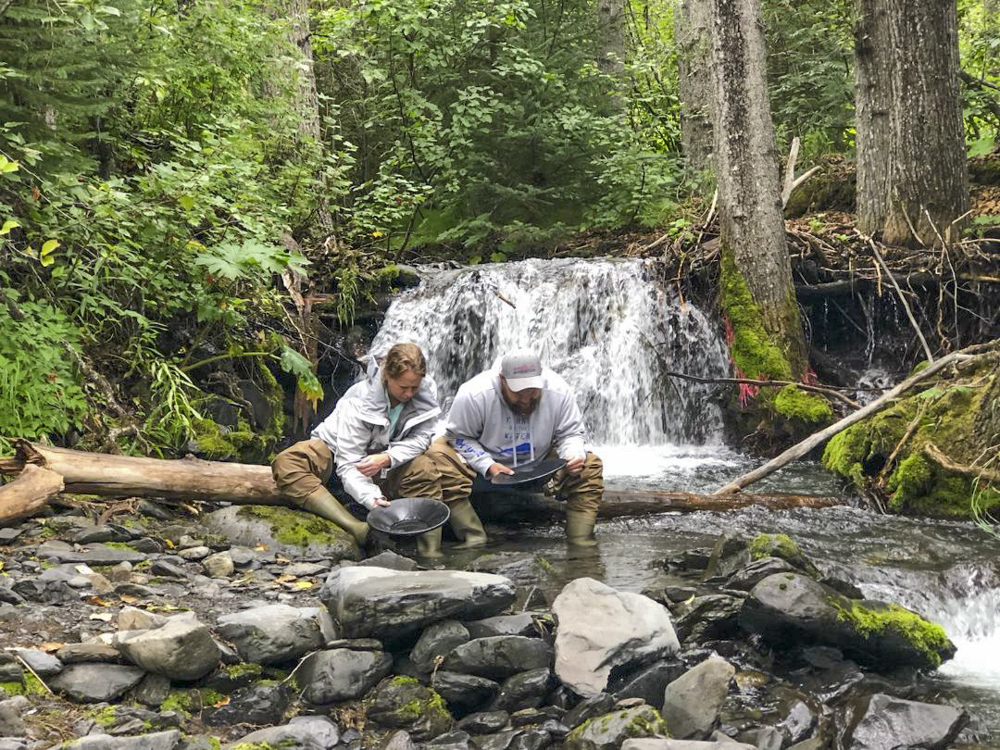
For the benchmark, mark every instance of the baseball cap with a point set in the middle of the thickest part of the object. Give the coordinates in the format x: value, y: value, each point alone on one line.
x: 521, y: 369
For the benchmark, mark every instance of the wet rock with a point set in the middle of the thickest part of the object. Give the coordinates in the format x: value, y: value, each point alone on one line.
x: 609, y: 731
x: 649, y: 682
x: 293, y: 533
x: 275, y: 633
x: 301, y: 733
x: 303, y: 570
x: 709, y: 617
x: 8, y: 535
x: 355, y: 644
x: 11, y: 723
x: 889, y: 723
x: 94, y: 683
x: 798, y: 722
x: 729, y: 554
x: 782, y: 546
x: 43, y: 664
x: 499, y: 657
x: 257, y: 704
x: 692, y: 702
x: 92, y: 534
x: 166, y: 569
x: 46, y: 592
x: 194, y: 554
x: 182, y: 649
x: 763, y: 738
x: 464, y: 692
x: 147, y: 545
x: 792, y: 608
x: 389, y: 559
x: 7, y: 593
x: 588, y: 708
x: 457, y: 740
x: 403, y: 703
x: 383, y: 603
x: 485, y: 722
x: 399, y: 740
x: 133, y: 618
x: 94, y: 554
x: 520, y: 624
x: 94, y: 651
x: 155, y: 741
x: 524, y: 690
x: 438, y: 640
x: 655, y: 744
x: 341, y: 674
x: 601, y: 629
x: 518, y: 739
x: 242, y: 556
x: 756, y: 571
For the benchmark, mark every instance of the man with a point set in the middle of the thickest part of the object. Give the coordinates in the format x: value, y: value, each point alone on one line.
x: 374, y: 441
x: 513, y: 416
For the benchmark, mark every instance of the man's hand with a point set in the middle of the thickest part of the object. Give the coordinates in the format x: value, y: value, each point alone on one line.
x: 575, y: 465
x: 373, y: 464
x: 381, y: 502
x: 496, y: 468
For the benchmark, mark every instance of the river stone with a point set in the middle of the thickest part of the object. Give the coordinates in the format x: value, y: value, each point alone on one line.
x: 789, y: 608
x: 587, y: 709
x: 456, y: 740
x: 692, y: 702
x: 657, y: 744
x: 601, y: 629
x: 753, y: 573
x: 520, y: 624
x: 256, y: 704
x: 301, y: 733
x: 398, y: 740
x: 729, y: 554
x: 133, y: 618
x: 11, y: 723
x: 182, y: 649
x: 293, y: 533
x: 711, y: 617
x: 389, y: 559
x: 43, y: 664
x: 517, y: 739
x: 609, y: 731
x: 95, y: 554
x: 464, y: 692
x: 649, y: 682
x: 403, y: 703
x: 275, y: 633
x: 499, y: 657
x: 156, y: 741
x: 440, y: 639
x: 219, y: 565
x: 485, y: 722
x: 890, y: 723
x: 524, y: 690
x: 194, y: 554
x: 341, y: 674
x: 385, y: 603
x: 92, y: 651
x: 94, y: 683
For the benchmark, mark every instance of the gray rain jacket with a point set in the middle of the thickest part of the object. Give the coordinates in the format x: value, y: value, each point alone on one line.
x: 484, y: 429
x: 359, y: 426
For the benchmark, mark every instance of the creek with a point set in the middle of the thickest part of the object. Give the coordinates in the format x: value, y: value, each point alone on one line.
x: 595, y: 323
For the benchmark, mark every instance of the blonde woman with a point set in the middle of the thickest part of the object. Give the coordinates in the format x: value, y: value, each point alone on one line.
x: 374, y: 441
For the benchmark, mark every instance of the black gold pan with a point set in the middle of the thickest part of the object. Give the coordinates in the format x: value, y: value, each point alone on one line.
x: 542, y: 470
x: 409, y: 516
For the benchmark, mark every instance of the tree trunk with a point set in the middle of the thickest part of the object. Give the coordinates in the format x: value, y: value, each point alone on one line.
x: 693, y: 40
x: 29, y: 493
x: 912, y: 170
x: 611, y: 25
x: 747, y: 170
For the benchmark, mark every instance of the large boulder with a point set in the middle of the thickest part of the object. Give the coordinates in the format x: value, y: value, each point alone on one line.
x: 403, y: 703
x: 609, y: 731
x: 94, y: 683
x: 340, y: 674
x: 294, y: 533
x: 274, y: 634
x: 181, y: 649
x: 789, y: 608
x: 383, y: 603
x: 893, y: 723
x: 692, y: 702
x: 499, y: 657
x: 601, y: 629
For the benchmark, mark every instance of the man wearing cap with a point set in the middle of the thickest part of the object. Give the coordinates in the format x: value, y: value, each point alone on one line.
x: 516, y: 415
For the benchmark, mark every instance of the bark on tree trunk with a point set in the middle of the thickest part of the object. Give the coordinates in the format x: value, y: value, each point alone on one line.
x: 747, y: 169
x: 611, y: 22
x: 692, y: 34
x: 29, y: 493
x: 912, y: 170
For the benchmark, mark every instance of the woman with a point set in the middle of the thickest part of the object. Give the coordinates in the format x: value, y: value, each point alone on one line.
x: 375, y: 441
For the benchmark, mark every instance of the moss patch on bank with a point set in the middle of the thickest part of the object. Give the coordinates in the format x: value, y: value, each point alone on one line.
x: 297, y: 528
x: 946, y: 415
x: 810, y: 408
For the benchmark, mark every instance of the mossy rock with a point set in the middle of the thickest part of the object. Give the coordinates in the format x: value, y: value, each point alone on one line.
x: 783, y: 546
x: 810, y: 408
x: 609, y: 731
x: 284, y: 531
x: 405, y: 703
x: 949, y: 415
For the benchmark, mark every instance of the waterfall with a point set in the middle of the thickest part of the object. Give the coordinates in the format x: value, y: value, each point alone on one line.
x: 594, y: 322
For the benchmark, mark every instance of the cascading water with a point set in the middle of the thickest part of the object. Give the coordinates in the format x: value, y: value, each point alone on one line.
x: 593, y: 322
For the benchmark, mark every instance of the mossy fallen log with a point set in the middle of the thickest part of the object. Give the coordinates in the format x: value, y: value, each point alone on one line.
x: 192, y: 480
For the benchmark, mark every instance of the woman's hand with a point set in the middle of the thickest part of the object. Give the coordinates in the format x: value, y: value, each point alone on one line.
x: 381, y: 502
x: 373, y: 464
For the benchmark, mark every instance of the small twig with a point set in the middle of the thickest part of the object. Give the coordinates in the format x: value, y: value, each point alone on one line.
x: 934, y: 453
x: 902, y: 298
x: 910, y: 430
x: 498, y: 294
x: 768, y: 383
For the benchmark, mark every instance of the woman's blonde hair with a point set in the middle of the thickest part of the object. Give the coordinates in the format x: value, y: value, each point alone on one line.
x: 403, y: 357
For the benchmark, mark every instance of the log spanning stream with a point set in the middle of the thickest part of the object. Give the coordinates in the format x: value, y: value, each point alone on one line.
x: 593, y: 322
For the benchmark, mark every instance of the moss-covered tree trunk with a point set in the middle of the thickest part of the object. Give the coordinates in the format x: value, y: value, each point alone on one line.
x: 757, y: 289
x: 912, y: 171
x: 694, y: 74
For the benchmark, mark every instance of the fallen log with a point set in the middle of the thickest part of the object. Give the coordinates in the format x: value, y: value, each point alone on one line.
x: 29, y: 493
x: 191, y: 479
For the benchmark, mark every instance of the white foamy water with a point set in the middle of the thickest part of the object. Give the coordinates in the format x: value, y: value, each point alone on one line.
x: 972, y: 624
x: 663, y: 461
x: 606, y: 326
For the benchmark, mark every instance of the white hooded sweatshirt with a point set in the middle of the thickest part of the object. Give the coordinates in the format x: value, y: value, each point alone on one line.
x: 359, y: 426
x: 483, y: 428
